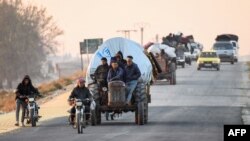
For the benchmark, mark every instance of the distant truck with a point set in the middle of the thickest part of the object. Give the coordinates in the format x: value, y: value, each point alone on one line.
x: 226, y: 46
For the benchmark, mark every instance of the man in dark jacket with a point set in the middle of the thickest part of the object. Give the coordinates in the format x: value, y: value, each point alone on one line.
x: 132, y: 75
x: 24, y: 89
x: 115, y: 72
x: 102, y: 71
x: 80, y: 92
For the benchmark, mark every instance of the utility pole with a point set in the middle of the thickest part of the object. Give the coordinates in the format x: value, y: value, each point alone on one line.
x: 142, y: 26
x: 127, y: 32
x: 157, y: 38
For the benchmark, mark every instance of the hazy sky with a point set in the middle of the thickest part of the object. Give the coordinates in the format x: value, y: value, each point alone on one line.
x: 102, y: 18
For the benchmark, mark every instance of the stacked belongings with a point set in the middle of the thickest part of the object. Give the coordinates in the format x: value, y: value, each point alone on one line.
x: 116, y: 91
x: 227, y: 37
x: 159, y: 63
x: 156, y: 67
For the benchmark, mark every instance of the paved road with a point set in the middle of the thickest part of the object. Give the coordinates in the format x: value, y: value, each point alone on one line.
x: 194, y: 110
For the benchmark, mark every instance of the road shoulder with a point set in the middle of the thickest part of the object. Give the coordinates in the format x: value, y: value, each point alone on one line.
x: 51, y: 107
x: 246, y: 86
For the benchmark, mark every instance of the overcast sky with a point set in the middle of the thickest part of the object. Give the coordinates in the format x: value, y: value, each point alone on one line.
x: 102, y: 18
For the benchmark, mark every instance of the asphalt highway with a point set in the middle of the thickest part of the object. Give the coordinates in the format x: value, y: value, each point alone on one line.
x: 194, y: 110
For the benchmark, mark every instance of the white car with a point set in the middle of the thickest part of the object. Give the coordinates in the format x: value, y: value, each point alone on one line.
x: 196, y: 51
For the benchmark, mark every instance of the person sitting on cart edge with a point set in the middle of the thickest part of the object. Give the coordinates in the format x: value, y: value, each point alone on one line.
x: 132, y: 75
x: 102, y: 71
x: 79, y: 92
x: 115, y: 72
x: 24, y: 89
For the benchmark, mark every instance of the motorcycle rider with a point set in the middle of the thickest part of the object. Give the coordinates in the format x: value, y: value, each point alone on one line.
x: 102, y: 71
x: 132, y: 75
x: 80, y: 92
x: 24, y: 89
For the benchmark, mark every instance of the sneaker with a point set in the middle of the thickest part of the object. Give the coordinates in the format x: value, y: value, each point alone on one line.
x: 17, y: 124
x: 23, y: 124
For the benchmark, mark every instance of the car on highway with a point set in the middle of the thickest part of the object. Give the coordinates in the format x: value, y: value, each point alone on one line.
x: 208, y: 59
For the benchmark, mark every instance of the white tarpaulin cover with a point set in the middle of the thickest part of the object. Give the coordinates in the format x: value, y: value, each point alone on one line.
x: 156, y: 48
x: 110, y: 47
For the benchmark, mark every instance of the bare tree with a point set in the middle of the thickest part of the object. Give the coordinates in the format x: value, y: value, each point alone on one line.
x: 27, y: 35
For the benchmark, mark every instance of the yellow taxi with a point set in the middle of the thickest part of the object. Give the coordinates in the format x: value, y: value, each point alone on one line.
x: 208, y: 59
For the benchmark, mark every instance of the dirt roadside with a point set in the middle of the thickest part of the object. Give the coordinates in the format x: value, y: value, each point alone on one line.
x: 51, y: 107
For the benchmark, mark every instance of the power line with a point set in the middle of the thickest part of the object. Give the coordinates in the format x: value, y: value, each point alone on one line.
x: 127, y: 32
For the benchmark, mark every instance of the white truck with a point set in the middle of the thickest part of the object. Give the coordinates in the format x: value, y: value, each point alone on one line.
x: 226, y: 46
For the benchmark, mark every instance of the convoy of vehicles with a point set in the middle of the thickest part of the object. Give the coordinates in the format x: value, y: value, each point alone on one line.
x: 155, y: 61
x: 160, y: 61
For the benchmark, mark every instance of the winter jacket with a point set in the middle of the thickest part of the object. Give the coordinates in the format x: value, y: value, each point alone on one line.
x: 102, y: 72
x: 117, y: 74
x: 25, y: 90
x: 80, y: 93
x: 132, y: 72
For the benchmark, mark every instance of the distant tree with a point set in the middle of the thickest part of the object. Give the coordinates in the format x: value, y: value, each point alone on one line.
x: 27, y: 35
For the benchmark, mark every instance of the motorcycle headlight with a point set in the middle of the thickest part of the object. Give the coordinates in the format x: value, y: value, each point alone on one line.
x: 31, y: 99
x: 104, y: 89
x: 78, y: 103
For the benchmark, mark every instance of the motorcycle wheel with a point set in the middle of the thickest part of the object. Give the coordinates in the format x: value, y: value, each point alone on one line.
x: 79, y: 123
x: 32, y: 118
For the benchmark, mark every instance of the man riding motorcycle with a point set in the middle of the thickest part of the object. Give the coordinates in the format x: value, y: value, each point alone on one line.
x: 24, y: 89
x: 80, y: 92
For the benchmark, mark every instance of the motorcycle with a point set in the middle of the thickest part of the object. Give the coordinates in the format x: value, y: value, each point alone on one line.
x: 82, y: 116
x: 32, y: 111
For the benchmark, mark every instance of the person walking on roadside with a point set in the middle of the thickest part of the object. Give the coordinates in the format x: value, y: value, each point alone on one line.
x: 24, y: 89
